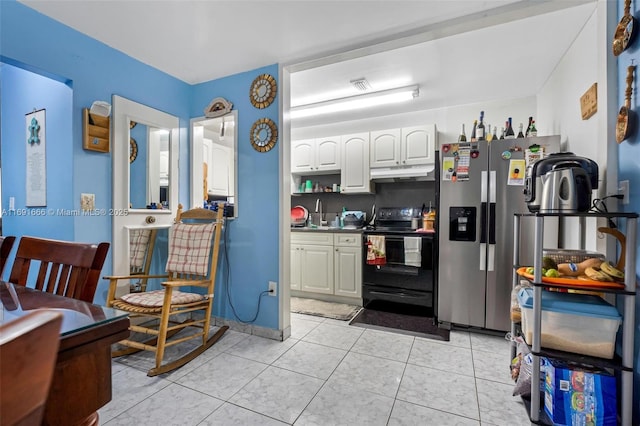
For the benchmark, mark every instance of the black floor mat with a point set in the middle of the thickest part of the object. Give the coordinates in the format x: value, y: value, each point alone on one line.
x: 406, y: 324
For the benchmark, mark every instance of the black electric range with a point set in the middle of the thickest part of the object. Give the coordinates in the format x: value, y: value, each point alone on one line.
x: 405, y: 280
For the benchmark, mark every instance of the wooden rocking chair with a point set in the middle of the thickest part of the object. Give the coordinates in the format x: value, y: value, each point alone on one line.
x: 194, y: 245
x: 141, y: 245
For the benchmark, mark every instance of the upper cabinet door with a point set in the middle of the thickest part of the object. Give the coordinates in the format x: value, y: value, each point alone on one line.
x: 418, y: 145
x: 328, y: 153
x: 303, y: 156
x: 385, y: 148
x: 354, y: 175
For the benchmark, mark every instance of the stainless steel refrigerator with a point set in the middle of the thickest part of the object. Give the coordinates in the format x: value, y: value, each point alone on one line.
x: 481, y: 187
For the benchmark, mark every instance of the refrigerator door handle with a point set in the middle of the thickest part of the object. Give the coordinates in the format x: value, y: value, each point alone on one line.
x: 483, y: 187
x: 492, y: 207
x: 492, y: 223
x: 491, y: 257
x: 483, y: 257
x: 483, y: 207
x: 483, y: 223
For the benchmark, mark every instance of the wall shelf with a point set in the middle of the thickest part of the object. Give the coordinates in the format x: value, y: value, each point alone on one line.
x: 95, y: 132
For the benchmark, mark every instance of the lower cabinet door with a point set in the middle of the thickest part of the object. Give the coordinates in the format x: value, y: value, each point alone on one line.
x: 317, y: 268
x: 348, y: 272
x: 296, y: 270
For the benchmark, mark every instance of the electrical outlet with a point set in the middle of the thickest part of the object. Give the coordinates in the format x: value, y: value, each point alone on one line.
x: 623, y: 188
x: 273, y: 288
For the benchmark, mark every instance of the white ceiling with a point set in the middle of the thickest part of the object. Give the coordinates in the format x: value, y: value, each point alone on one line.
x: 457, y: 51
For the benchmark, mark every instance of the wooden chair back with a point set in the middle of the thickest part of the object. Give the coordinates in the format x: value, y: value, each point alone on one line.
x: 66, y: 268
x: 195, y: 216
x: 141, y: 245
x: 6, y: 244
x: 28, y: 350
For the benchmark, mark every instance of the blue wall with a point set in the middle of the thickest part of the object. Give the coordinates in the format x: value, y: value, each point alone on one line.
x: 254, y: 236
x: 629, y: 169
x: 31, y: 41
x: 22, y: 92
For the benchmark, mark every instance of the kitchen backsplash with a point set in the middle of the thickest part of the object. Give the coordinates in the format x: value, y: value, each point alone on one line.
x: 396, y: 194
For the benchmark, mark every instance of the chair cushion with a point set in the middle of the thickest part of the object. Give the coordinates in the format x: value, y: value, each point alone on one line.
x: 138, y: 242
x: 153, y: 299
x: 190, y: 247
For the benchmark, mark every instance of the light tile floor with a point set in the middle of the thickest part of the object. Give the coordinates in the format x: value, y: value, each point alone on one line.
x: 327, y: 373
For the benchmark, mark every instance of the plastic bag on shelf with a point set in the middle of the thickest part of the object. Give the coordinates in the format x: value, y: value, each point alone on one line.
x: 525, y: 368
x: 516, y: 313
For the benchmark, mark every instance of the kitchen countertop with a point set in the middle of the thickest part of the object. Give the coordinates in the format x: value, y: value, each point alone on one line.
x: 357, y: 230
x: 326, y: 229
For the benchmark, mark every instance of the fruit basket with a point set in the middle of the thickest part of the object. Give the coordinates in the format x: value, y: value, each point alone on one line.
x: 571, y: 256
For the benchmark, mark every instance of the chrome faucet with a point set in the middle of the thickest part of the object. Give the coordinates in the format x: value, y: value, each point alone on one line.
x: 319, y: 210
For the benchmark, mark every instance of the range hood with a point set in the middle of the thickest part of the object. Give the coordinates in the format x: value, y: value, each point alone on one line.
x: 392, y: 174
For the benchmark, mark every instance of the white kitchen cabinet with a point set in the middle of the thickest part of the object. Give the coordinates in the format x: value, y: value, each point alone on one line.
x: 312, y: 262
x: 296, y: 266
x: 315, y: 156
x: 385, y: 148
x: 354, y: 174
x: 327, y: 263
x: 347, y: 265
x: 408, y: 146
x: 316, y: 263
x: 418, y: 145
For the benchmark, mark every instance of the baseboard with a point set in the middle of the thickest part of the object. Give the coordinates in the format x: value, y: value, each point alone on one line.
x: 268, y: 333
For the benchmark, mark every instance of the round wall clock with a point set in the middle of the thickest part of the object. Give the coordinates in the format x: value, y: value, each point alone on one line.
x: 133, y: 150
x: 263, y: 91
x: 264, y: 135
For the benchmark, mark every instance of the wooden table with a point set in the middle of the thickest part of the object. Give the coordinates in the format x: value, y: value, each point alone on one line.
x: 82, y: 378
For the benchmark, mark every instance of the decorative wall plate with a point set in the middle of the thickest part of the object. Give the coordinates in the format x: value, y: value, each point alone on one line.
x: 264, y: 135
x: 133, y: 150
x: 217, y: 108
x: 263, y: 91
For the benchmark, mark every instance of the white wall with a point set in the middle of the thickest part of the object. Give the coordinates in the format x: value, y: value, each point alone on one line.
x: 559, y: 100
x: 559, y: 113
x: 448, y: 120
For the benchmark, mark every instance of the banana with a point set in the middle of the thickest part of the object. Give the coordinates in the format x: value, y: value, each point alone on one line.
x: 610, y: 270
x: 596, y: 275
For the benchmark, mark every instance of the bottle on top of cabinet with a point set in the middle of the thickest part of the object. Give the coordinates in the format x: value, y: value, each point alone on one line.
x: 463, y: 136
x: 480, y: 133
x: 509, y: 134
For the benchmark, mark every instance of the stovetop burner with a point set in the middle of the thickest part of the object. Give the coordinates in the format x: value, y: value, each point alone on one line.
x: 395, y: 220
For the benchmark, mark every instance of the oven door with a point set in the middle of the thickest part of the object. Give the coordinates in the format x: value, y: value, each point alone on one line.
x: 397, y: 272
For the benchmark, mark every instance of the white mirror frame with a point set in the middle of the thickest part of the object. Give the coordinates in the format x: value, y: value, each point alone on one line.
x: 124, y: 218
x: 197, y: 158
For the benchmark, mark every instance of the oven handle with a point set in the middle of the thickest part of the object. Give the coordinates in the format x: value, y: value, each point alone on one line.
x: 396, y: 270
x: 398, y: 293
x: 386, y: 237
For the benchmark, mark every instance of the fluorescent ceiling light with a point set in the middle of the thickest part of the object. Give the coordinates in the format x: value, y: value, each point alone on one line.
x: 383, y: 97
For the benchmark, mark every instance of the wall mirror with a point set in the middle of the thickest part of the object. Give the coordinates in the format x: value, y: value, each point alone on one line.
x: 214, y: 160
x: 145, y: 176
x: 148, y: 166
